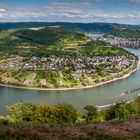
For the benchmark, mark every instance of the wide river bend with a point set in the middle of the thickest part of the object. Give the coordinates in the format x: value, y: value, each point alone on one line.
x: 102, y: 95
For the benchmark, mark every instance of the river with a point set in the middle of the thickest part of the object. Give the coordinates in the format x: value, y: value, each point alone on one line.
x: 102, y: 95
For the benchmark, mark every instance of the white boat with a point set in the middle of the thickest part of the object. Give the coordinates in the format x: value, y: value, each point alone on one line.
x: 103, y: 106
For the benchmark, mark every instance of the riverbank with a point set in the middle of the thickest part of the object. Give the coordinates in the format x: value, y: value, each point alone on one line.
x: 75, y: 88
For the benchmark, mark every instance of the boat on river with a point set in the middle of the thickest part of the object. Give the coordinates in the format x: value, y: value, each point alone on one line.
x: 132, y: 90
x: 103, y: 106
x: 109, y: 105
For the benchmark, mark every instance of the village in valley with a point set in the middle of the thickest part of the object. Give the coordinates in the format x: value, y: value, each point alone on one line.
x: 61, y: 59
x: 81, y: 67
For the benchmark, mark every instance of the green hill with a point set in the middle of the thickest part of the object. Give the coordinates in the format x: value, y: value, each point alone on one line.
x: 52, y: 36
x: 46, y: 41
x: 79, y: 27
x: 50, y: 41
x: 128, y: 33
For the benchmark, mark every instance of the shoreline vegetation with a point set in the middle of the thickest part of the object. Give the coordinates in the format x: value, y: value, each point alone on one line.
x: 75, y: 88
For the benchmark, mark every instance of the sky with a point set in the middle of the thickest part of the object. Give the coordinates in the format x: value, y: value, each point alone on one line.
x: 87, y: 11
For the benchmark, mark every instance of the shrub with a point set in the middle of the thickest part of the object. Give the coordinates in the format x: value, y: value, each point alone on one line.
x: 91, y: 114
x: 3, y: 121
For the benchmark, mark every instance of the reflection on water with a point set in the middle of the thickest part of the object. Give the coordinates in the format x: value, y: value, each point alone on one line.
x: 101, y: 95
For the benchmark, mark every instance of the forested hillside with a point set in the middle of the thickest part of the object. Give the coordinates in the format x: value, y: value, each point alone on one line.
x: 80, y: 27
x: 130, y: 33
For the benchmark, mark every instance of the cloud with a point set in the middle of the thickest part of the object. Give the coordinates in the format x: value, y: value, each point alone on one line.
x: 70, y: 10
x: 135, y: 1
x: 2, y: 10
x: 85, y: 11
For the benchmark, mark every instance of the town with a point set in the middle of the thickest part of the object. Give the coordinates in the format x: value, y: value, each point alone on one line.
x: 79, y: 67
x: 121, y: 42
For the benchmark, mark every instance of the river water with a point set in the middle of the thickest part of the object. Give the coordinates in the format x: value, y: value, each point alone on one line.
x: 102, y: 95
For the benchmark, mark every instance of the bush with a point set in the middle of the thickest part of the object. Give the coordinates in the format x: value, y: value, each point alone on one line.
x: 45, y: 114
x: 21, y: 112
x: 42, y: 114
x: 91, y: 114
x: 3, y: 121
x: 67, y: 113
x: 114, y: 113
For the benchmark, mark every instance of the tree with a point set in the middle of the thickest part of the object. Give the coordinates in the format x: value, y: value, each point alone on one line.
x: 46, y: 114
x: 132, y: 109
x: 67, y: 113
x: 91, y: 114
x: 117, y: 112
x: 21, y: 112
x: 42, y: 114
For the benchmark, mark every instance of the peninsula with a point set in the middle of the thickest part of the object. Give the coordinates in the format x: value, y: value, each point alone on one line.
x: 55, y: 58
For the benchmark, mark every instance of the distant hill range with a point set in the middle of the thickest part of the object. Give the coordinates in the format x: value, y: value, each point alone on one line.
x: 78, y: 27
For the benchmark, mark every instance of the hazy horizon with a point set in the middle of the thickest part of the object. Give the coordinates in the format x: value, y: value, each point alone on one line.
x: 65, y: 22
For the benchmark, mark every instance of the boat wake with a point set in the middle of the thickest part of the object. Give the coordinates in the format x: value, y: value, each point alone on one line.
x: 118, y: 96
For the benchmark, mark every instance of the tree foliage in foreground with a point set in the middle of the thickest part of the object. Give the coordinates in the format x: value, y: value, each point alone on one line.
x: 25, y: 113
x: 91, y: 113
x: 42, y: 114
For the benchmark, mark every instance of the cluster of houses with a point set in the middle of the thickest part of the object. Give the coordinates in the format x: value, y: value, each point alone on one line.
x: 12, y: 63
x: 52, y: 63
x: 121, y: 42
x: 80, y: 67
x: 83, y: 72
